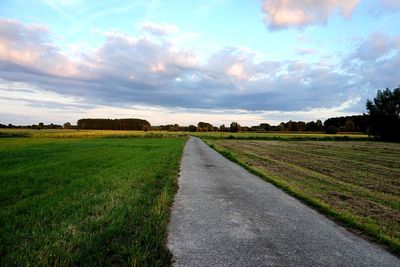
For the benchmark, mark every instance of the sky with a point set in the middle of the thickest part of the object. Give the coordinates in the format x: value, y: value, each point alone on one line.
x: 183, y: 62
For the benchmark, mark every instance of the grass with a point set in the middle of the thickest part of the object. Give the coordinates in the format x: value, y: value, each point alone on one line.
x: 86, y: 201
x: 283, y: 136
x: 356, y: 183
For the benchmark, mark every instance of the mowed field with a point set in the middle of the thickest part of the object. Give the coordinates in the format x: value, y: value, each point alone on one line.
x: 86, y: 201
x: 355, y: 182
x: 284, y: 136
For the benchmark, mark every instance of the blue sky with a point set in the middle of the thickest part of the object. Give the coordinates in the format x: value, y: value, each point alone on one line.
x: 186, y: 61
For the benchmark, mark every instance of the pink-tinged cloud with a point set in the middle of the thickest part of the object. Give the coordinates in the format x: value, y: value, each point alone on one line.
x: 29, y: 46
x: 281, y: 14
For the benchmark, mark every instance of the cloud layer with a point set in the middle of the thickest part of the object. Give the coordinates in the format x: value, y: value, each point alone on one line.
x: 137, y: 70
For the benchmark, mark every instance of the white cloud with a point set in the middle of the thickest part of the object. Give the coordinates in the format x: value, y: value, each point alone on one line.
x: 375, y: 62
x: 303, y: 51
x: 158, y: 29
x: 377, y: 46
x: 280, y: 14
x: 31, y: 94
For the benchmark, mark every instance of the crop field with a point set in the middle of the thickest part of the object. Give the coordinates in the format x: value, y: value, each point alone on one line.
x: 355, y: 182
x: 71, y: 133
x: 86, y: 201
x: 66, y: 133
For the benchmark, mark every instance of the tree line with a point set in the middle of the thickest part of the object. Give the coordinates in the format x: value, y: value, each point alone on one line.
x: 38, y: 126
x: 343, y: 124
x: 113, y: 124
x: 381, y: 122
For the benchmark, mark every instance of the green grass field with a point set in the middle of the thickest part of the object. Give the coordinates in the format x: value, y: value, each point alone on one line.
x: 357, y: 183
x: 86, y: 201
x: 94, y: 198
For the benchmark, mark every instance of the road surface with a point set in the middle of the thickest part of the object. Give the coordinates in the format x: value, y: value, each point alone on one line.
x: 225, y: 216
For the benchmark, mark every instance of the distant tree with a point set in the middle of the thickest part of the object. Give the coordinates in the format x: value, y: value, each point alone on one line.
x: 331, y: 130
x: 349, y: 125
x: 223, y: 128
x: 265, y: 126
x: 40, y: 125
x: 255, y: 128
x: 319, y: 126
x: 7, y: 126
x: 110, y: 124
x: 146, y: 127
x: 170, y: 127
x: 175, y: 127
x: 205, y: 127
x: 291, y: 126
x: 301, y: 126
x: 384, y: 115
x: 281, y: 127
x: 67, y: 125
x: 357, y: 123
x: 192, y: 128
x: 235, y: 127
x: 311, y: 126
x: 244, y: 128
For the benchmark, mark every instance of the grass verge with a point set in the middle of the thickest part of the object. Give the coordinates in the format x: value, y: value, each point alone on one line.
x: 86, y: 202
x: 348, y: 201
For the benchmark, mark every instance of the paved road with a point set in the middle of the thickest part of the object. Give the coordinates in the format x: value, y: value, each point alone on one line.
x: 225, y: 216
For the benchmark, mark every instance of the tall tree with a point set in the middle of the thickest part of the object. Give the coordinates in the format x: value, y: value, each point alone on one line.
x: 235, y: 127
x: 192, y: 128
x: 67, y: 125
x: 205, y: 127
x: 384, y: 115
x: 265, y: 126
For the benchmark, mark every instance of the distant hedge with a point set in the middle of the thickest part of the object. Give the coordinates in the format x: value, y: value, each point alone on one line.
x: 113, y: 124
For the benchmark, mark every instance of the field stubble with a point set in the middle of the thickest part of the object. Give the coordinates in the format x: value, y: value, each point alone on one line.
x: 357, y: 183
